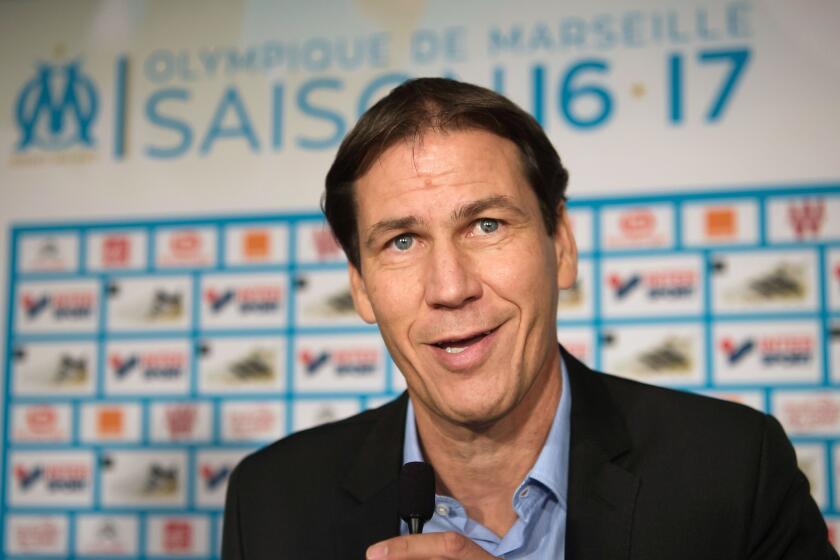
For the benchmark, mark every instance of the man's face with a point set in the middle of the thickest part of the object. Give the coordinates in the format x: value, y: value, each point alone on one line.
x: 459, y: 272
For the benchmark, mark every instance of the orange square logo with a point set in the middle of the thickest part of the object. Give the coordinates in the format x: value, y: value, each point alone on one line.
x: 257, y: 244
x: 110, y: 422
x: 721, y: 222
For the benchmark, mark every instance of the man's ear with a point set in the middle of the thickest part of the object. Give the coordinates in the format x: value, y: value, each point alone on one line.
x: 361, y: 301
x: 565, y: 249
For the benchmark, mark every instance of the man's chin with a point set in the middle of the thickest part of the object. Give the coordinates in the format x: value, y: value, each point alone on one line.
x: 478, y: 417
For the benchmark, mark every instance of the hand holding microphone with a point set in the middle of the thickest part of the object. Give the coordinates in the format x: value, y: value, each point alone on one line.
x: 416, y: 506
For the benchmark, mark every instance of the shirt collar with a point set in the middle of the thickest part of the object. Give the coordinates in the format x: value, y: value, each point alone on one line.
x: 552, y: 465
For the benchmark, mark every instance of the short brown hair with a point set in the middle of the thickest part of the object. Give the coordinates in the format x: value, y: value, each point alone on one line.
x: 439, y: 104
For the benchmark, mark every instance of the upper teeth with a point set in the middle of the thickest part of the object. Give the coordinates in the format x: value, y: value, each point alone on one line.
x: 454, y: 349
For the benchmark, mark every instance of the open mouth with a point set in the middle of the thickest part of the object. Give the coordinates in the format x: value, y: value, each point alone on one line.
x: 456, y: 346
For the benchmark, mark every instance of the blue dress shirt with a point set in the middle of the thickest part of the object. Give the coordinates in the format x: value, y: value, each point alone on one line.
x: 539, y: 501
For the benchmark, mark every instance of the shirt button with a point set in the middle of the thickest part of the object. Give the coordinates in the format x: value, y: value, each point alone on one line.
x: 442, y: 510
x: 524, y: 493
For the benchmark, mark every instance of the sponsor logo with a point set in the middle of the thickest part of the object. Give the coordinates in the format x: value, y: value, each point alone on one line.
x: 326, y: 245
x: 49, y: 256
x: 346, y: 362
x: 34, y: 306
x: 637, y: 223
x: 785, y: 350
x: 110, y: 422
x: 672, y: 356
x: 41, y: 420
x: 623, y: 287
x: 56, y: 109
x: 37, y: 535
x: 577, y: 348
x: 57, y: 477
x: 153, y: 365
x: 252, y: 422
x: 735, y: 352
x: 807, y: 217
x: 218, y: 300
x: 663, y: 284
x: 338, y: 304
x: 71, y: 370
x: 185, y: 245
x: 256, y: 244
x: 116, y: 251
x: 27, y: 477
x: 251, y: 299
x: 569, y: 298
x: 177, y: 536
x: 214, y: 477
x: 160, y: 481
x: 785, y: 282
x: 65, y: 305
x: 325, y: 414
x: 815, y: 413
x: 107, y: 539
x: 180, y: 421
x: 255, y: 366
x: 720, y: 222
x: 166, y: 306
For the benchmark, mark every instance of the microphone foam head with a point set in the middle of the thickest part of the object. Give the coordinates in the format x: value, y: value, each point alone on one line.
x: 417, y: 491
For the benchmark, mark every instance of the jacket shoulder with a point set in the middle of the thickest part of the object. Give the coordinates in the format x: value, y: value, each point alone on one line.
x: 639, y: 400
x: 324, y: 449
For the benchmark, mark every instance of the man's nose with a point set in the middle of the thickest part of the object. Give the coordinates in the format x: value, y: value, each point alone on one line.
x: 452, y: 280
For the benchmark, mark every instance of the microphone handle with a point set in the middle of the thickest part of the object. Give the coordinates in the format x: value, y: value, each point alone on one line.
x: 415, y: 526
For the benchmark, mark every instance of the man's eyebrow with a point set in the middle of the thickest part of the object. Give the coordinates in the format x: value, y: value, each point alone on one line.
x: 384, y: 226
x: 478, y: 207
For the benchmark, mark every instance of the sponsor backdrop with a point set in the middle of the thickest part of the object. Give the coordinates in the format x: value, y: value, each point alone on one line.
x: 173, y: 300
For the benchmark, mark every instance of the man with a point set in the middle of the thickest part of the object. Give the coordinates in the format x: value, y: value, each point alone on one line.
x: 448, y: 200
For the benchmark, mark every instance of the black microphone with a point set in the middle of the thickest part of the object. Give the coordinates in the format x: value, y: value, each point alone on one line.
x: 417, y: 495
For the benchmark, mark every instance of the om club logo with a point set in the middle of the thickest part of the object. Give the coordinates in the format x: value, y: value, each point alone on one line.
x: 56, y: 109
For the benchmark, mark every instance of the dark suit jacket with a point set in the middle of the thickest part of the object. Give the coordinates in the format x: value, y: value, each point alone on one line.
x: 653, y: 474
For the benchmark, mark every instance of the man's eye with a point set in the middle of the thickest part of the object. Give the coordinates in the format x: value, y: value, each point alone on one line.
x: 403, y: 242
x: 487, y: 225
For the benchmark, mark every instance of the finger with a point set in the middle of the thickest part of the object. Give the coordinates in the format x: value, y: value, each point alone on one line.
x: 449, y: 545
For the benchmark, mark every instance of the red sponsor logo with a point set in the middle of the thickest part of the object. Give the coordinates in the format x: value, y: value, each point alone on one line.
x: 812, y: 414
x: 41, y: 420
x: 579, y: 350
x: 185, y: 244
x: 254, y: 422
x: 637, y: 223
x: 177, y: 536
x: 807, y: 217
x: 40, y: 535
x: 180, y: 421
x: 326, y: 245
x: 116, y: 250
x: 73, y: 299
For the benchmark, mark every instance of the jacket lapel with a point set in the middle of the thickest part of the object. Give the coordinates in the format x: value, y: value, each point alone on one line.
x: 372, y: 483
x: 602, y: 494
